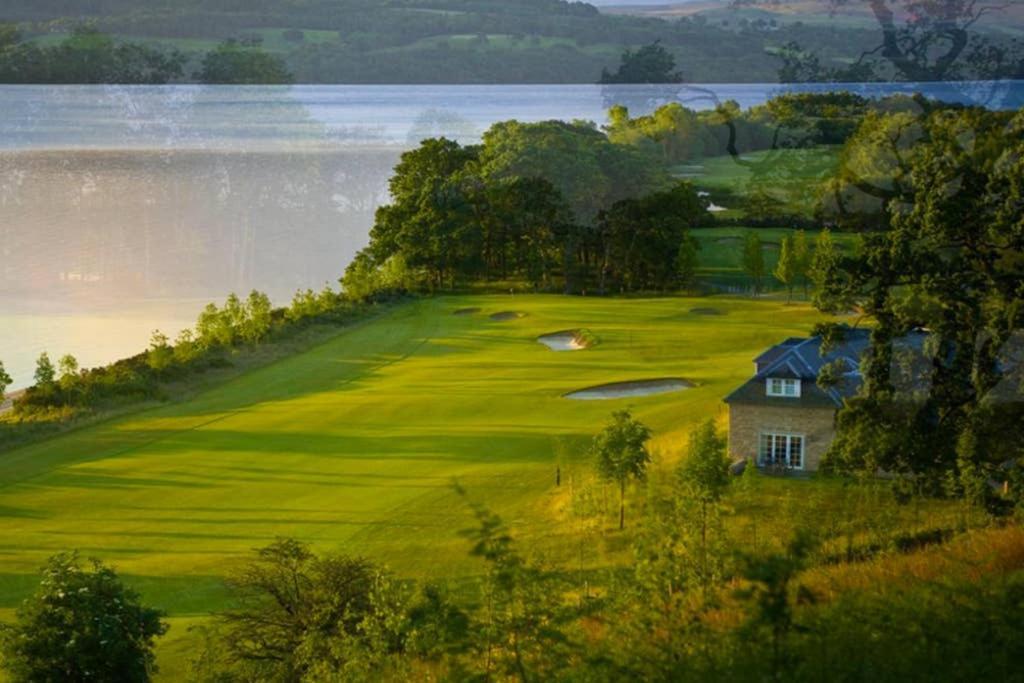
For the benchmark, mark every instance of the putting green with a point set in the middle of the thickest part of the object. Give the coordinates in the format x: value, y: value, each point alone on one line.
x: 355, y: 444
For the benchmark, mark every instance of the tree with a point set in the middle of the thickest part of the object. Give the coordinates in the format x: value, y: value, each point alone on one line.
x: 704, y: 473
x: 160, y: 355
x: 752, y: 260
x: 640, y: 238
x: 257, y: 317
x: 232, y: 63
x: 5, y: 381
x: 82, y: 624
x: 68, y: 371
x: 45, y: 372
x: 300, y: 616
x: 650, y: 64
x: 952, y: 263
x: 186, y: 349
x: 772, y: 599
x: 687, y: 262
x: 802, y: 253
x: 825, y: 259
x: 787, y: 267
x: 518, y: 633
x: 621, y: 453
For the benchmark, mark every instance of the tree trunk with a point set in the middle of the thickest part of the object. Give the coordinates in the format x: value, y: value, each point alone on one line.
x: 622, y: 505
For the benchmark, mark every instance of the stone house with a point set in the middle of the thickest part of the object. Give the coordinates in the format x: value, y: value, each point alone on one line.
x: 780, y: 417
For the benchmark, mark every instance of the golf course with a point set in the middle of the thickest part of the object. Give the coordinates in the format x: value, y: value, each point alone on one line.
x: 356, y: 444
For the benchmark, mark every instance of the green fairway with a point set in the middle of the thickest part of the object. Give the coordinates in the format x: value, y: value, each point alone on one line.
x: 355, y: 445
x: 787, y: 178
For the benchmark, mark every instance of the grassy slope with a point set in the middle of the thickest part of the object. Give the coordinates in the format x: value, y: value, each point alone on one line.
x: 355, y: 444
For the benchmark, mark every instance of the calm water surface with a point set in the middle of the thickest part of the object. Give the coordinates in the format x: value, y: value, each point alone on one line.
x: 123, y: 209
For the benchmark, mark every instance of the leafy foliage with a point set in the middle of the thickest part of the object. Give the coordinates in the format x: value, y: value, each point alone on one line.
x: 949, y: 261
x: 82, y: 624
x: 621, y: 454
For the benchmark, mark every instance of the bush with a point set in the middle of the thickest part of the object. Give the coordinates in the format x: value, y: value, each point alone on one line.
x: 82, y: 625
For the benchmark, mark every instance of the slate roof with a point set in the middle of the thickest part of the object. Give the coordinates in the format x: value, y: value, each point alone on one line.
x: 800, y: 358
x: 913, y: 364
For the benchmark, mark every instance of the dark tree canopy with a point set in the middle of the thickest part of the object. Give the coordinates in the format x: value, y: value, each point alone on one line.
x: 82, y: 624
x: 948, y: 259
x: 648, y: 64
x: 233, y: 63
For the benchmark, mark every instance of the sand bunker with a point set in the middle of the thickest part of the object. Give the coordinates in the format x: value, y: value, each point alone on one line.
x: 566, y: 340
x: 507, y: 315
x: 646, y: 387
x: 466, y: 311
x: 706, y: 311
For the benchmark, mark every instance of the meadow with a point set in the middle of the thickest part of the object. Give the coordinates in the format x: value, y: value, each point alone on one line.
x: 356, y: 444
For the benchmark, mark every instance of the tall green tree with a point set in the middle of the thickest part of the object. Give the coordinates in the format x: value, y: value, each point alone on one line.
x: 752, y: 260
x: 788, y: 266
x: 824, y: 260
x: 68, y: 367
x: 45, y: 372
x: 82, y: 624
x: 803, y: 257
x: 160, y: 354
x: 687, y: 262
x: 620, y: 450
x: 255, y: 325
x: 704, y: 474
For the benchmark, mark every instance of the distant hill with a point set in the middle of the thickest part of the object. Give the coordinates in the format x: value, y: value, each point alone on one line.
x: 463, y: 41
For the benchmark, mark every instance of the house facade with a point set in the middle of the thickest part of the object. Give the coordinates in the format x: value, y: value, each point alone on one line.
x: 780, y: 417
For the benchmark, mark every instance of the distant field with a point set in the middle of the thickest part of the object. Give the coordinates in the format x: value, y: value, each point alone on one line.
x: 355, y: 445
x: 789, y: 177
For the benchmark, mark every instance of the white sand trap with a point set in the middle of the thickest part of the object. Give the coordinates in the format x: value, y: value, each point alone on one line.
x: 507, y: 315
x: 646, y: 387
x: 568, y: 340
x: 466, y: 311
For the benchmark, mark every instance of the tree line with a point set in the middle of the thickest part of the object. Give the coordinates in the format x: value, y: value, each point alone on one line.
x: 555, y: 204
x: 63, y: 389
x: 90, y: 56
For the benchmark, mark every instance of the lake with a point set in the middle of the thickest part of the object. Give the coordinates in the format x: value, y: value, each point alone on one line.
x: 123, y: 209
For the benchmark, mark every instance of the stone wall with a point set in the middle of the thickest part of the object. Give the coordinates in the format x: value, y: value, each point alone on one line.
x: 747, y: 421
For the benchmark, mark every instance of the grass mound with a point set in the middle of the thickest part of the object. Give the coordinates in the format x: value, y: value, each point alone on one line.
x: 466, y: 311
x: 706, y: 310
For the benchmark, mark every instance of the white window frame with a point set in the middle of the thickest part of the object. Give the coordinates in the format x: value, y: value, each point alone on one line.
x: 782, y: 387
x: 785, y: 439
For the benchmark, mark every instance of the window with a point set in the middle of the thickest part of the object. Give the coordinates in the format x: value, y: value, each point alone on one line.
x: 779, y: 449
x: 788, y: 388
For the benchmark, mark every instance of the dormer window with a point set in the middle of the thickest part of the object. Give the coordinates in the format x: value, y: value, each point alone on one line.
x: 785, y: 388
